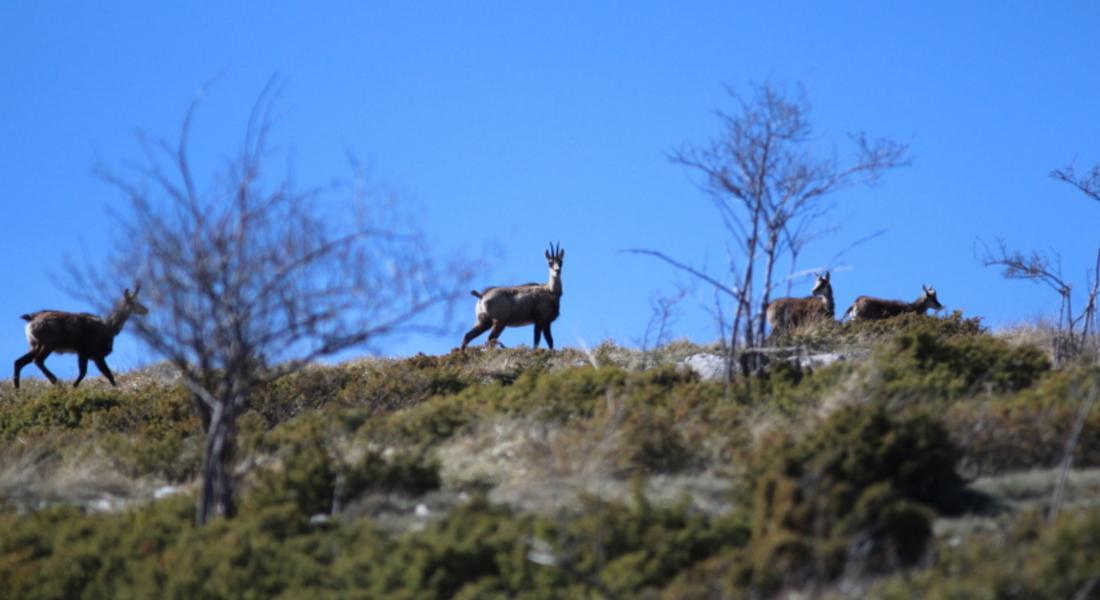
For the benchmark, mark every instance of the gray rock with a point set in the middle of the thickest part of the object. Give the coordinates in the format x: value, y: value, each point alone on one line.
x: 709, y: 367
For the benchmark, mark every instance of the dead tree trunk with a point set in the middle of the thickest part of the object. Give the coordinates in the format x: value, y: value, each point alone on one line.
x: 216, y: 499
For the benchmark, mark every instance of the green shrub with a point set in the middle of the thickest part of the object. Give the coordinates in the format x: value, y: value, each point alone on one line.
x: 579, y: 393
x: 411, y: 473
x: 311, y: 476
x: 53, y: 408
x: 154, y: 432
x: 953, y: 325
x: 788, y: 389
x: 476, y: 551
x: 862, y: 481
x: 1032, y: 560
x: 1028, y: 430
x: 924, y: 365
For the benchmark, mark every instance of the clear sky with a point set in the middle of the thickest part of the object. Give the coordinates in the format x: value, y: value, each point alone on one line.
x: 516, y: 123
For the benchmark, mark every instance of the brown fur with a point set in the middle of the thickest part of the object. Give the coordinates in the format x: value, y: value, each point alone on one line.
x: 519, y: 305
x: 785, y: 314
x: 867, y: 308
x: 83, y: 334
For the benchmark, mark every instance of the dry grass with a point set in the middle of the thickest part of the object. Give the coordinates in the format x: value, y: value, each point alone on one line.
x: 1043, y: 334
x: 67, y: 469
x: 1017, y: 493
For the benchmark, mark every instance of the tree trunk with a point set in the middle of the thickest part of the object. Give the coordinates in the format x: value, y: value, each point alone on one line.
x: 216, y: 499
x: 202, y: 410
x: 765, y: 296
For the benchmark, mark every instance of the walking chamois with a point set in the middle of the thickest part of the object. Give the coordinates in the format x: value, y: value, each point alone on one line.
x: 785, y: 314
x: 83, y: 334
x: 866, y: 308
x: 519, y: 305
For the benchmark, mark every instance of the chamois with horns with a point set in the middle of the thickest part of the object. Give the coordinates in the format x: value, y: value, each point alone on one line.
x: 519, y: 305
x: 785, y: 314
x: 866, y: 308
x: 86, y: 335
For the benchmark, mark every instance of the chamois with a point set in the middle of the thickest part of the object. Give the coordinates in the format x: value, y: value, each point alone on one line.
x: 866, y: 308
x: 519, y: 305
x: 785, y: 314
x: 86, y: 335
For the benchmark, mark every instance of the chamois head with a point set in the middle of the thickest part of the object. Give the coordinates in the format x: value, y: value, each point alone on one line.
x: 554, y: 258
x: 821, y: 285
x: 928, y: 298
x: 130, y: 302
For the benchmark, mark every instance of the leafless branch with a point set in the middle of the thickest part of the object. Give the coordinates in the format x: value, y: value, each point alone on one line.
x: 1088, y: 183
x: 255, y: 278
x: 772, y: 191
x: 687, y: 269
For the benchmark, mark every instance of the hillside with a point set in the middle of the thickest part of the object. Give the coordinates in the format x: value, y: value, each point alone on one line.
x: 913, y: 457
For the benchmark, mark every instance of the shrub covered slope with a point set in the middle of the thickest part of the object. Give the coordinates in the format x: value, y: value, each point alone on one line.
x: 922, y: 464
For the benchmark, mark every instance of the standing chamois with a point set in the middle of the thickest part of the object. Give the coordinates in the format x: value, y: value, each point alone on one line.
x: 519, y: 305
x: 83, y: 334
x: 785, y: 314
x: 866, y: 308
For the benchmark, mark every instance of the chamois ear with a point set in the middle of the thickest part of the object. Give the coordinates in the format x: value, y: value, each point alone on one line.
x: 825, y: 276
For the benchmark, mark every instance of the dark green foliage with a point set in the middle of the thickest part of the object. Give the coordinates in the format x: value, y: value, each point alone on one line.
x: 478, y: 550
x: 310, y: 477
x: 855, y: 495
x: 145, y: 431
x: 1033, y: 560
x: 860, y: 488
x: 1028, y: 429
x: 410, y: 473
x: 915, y: 324
x: 377, y: 388
x: 788, y: 389
x: 61, y: 553
x: 564, y: 396
x: 923, y: 365
x: 833, y: 335
x: 54, y: 408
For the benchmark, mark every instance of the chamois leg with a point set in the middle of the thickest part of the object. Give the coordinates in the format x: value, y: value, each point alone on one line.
x: 102, y: 365
x: 82, y: 365
x: 498, y: 327
x: 40, y: 362
x: 549, y: 338
x: 478, y: 329
x: 538, y: 332
x: 21, y: 362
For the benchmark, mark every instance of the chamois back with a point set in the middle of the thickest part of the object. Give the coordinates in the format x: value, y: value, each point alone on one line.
x: 868, y: 308
x: 86, y: 335
x: 784, y: 314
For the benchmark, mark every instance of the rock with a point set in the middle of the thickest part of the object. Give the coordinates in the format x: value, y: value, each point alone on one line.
x: 709, y: 367
x: 165, y: 490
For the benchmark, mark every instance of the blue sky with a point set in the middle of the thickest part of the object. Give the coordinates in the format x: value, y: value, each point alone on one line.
x: 512, y: 124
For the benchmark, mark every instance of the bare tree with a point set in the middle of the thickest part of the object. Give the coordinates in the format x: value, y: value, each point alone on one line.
x: 772, y: 192
x: 1076, y: 330
x: 252, y: 278
x: 664, y: 309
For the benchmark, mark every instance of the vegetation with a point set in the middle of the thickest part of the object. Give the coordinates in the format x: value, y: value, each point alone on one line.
x: 537, y: 474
